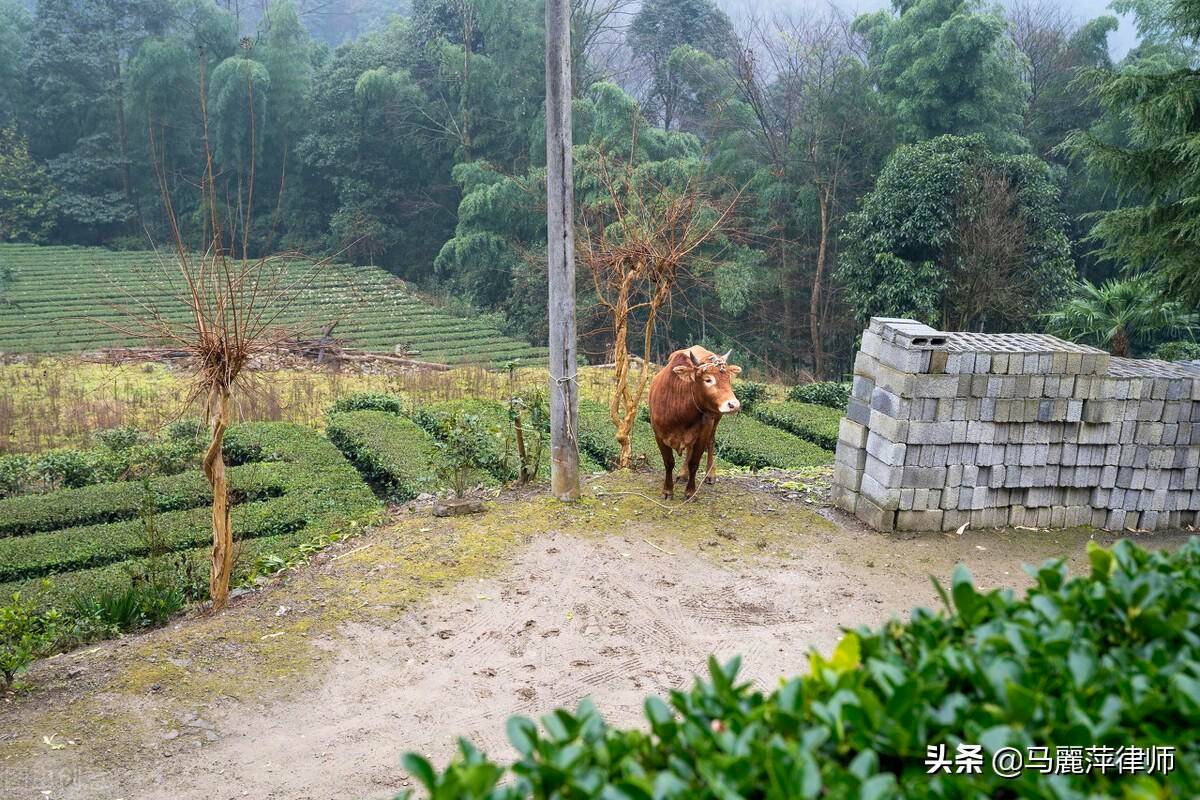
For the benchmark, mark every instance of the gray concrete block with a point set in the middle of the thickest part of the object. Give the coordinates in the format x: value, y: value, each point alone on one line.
x: 844, y: 498
x: 887, y: 451
x: 873, y: 515
x: 853, y: 433
x: 919, y: 520
x: 886, y: 497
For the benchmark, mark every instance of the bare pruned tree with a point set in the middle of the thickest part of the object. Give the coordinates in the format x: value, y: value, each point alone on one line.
x: 223, y: 312
x: 635, y: 240
x: 987, y: 279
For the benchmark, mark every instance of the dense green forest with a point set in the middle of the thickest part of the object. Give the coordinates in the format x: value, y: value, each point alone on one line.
x: 975, y: 166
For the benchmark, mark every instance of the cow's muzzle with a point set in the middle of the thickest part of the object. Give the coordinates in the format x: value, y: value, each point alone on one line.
x: 729, y: 406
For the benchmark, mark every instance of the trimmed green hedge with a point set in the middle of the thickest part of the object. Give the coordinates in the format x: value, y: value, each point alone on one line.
x: 123, y: 453
x: 311, y: 489
x: 391, y: 451
x: 501, y: 456
x: 69, y: 587
x: 1111, y: 660
x: 124, y: 500
x: 41, y: 554
x: 817, y: 424
x: 747, y: 442
x: 369, y: 401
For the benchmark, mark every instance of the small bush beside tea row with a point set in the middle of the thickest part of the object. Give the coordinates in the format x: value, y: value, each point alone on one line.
x: 1111, y: 661
x: 823, y: 393
x: 491, y: 442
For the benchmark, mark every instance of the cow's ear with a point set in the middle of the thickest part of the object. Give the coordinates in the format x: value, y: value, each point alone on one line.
x: 734, y: 369
x: 685, y: 372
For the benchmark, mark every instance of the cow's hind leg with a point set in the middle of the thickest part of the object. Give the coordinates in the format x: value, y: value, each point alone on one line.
x: 693, y: 463
x: 668, y: 458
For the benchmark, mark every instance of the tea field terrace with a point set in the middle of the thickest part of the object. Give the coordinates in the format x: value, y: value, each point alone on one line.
x: 71, y: 299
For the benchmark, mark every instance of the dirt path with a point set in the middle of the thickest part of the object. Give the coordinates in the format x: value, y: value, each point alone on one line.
x: 579, y: 605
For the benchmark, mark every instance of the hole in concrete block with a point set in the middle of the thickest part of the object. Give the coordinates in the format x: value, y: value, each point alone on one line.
x: 920, y: 340
x: 937, y: 340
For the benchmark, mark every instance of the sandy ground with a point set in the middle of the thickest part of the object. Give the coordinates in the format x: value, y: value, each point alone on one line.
x: 574, y: 608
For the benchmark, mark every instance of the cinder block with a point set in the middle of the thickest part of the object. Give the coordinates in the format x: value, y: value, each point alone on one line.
x: 878, y: 518
x: 931, y: 386
x: 858, y: 411
x: 940, y: 433
x: 919, y: 520
x: 882, y: 496
x: 852, y: 433
x: 887, y: 451
x: 844, y: 498
x: 861, y: 388
x: 890, y: 403
x: 846, y: 476
x: 851, y: 456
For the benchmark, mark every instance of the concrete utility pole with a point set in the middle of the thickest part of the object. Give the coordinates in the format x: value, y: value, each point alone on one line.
x: 560, y: 250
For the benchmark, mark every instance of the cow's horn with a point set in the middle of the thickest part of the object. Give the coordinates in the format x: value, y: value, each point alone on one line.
x: 727, y: 355
x: 695, y: 361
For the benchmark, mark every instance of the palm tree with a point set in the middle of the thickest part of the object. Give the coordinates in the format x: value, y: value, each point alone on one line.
x: 1119, y: 313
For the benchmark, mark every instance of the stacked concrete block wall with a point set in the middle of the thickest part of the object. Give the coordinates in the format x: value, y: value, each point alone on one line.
x: 997, y: 430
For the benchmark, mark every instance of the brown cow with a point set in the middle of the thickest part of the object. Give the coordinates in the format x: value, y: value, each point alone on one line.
x: 687, y: 398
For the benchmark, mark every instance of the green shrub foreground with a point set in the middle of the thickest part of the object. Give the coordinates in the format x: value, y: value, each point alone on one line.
x: 1108, y: 660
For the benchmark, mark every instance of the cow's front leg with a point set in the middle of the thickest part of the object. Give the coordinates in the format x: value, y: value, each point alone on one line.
x: 668, y: 458
x: 693, y: 463
x: 710, y: 471
x: 683, y: 462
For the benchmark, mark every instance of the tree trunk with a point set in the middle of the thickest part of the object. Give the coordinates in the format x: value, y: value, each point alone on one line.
x: 522, y: 459
x: 214, y: 470
x: 1119, y: 346
x: 123, y: 138
x: 617, y: 407
x: 814, y: 307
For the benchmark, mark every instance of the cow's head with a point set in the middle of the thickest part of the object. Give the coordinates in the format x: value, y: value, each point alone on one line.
x: 710, y: 379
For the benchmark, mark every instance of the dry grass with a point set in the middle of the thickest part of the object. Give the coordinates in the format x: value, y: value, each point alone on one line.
x: 54, y: 402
